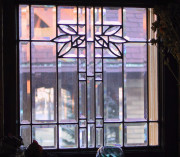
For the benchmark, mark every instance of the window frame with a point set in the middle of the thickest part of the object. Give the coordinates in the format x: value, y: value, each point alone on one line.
x: 10, y: 14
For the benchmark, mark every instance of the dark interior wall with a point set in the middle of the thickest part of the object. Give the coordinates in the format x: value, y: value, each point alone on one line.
x: 170, y: 109
x: 9, y: 66
x: 1, y: 69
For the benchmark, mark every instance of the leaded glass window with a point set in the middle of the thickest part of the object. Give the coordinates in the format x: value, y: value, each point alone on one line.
x: 88, y: 76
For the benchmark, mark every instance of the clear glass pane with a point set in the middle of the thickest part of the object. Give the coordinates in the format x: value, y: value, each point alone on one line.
x: 45, y: 135
x: 113, y: 134
x: 71, y: 53
x: 25, y: 133
x: 90, y: 23
x: 98, y: 52
x: 81, y: 15
x: 112, y: 15
x: 99, y: 137
x: 68, y: 136
x: 99, y: 99
x: 135, y: 134
x: 67, y: 15
x: 82, y: 52
x: 151, y: 18
x: 83, y: 137
x: 135, y: 24
x: 81, y: 29
x: 98, y: 76
x: 98, y: 30
x: 98, y: 65
x: 107, y: 53
x: 90, y: 59
x: 135, y: 82
x: 113, y: 90
x: 82, y: 99
x: 24, y: 22
x: 82, y: 76
x: 91, y: 136
x: 68, y: 90
x: 90, y: 99
x: 99, y: 123
x: 153, y: 82
x: 153, y: 134
x: 43, y: 22
x: 25, y: 85
x: 43, y: 55
x: 82, y: 65
x: 98, y: 13
x: 82, y: 123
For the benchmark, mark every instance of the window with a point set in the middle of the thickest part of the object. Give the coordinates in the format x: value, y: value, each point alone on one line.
x: 88, y: 76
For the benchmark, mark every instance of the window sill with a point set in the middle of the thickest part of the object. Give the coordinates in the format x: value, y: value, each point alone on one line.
x: 129, y: 152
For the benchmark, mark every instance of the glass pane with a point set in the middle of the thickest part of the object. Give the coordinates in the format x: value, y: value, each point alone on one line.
x: 98, y: 65
x: 153, y: 134
x: 135, y: 134
x: 98, y: 14
x: 68, y: 90
x: 113, y: 90
x: 71, y: 53
x: 82, y: 136
x: 43, y: 22
x: 82, y: 76
x: 67, y: 15
x: 25, y: 133
x: 82, y: 52
x: 89, y: 23
x: 82, y: 65
x: 90, y: 99
x: 91, y: 136
x: 82, y: 99
x: 99, y: 123
x: 98, y: 76
x: 113, y: 134
x: 99, y: 99
x: 45, y: 135
x: 82, y: 123
x: 153, y: 82
x: 81, y: 15
x: 98, y: 52
x: 108, y: 53
x: 151, y: 18
x: 135, y: 24
x: 112, y: 16
x: 24, y: 22
x: 135, y: 82
x: 98, y: 30
x: 81, y: 29
x: 68, y: 136
x: 25, y: 85
x: 99, y: 137
x: 90, y: 59
x: 43, y: 56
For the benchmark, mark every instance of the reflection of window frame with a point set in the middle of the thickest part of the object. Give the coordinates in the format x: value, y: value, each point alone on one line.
x: 170, y: 130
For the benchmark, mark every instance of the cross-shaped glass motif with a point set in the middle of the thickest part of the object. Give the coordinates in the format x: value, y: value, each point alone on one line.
x: 93, y: 40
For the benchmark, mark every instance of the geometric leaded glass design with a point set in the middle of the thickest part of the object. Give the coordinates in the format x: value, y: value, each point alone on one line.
x: 86, y: 77
x: 106, y: 40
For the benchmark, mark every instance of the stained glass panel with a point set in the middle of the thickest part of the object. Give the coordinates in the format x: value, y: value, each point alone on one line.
x: 88, y: 76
